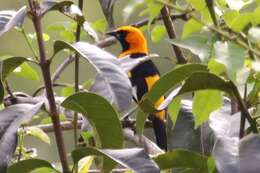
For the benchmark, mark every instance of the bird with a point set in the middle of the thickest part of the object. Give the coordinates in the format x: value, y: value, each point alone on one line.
x: 143, y: 76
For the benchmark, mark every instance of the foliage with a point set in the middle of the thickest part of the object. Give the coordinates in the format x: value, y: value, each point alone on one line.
x: 215, y: 130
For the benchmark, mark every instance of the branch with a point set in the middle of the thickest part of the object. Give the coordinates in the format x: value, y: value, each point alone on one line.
x: 172, y: 34
x: 45, y: 68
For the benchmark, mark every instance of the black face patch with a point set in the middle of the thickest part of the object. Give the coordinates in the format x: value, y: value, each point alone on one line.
x: 121, y: 36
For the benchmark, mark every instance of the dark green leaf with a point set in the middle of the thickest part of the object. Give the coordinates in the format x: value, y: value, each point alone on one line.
x: 135, y: 158
x: 182, y: 159
x: 174, y: 108
x: 111, y: 81
x: 10, y: 19
x: 10, y: 120
x: 29, y: 165
x: 102, y: 117
x: 167, y: 82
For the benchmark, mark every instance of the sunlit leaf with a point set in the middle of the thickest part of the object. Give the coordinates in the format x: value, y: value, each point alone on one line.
x: 191, y: 26
x: 38, y: 133
x: 204, y: 102
x: 85, y: 164
x: 182, y: 159
x: 27, y: 72
x: 158, y: 33
x: 102, y: 117
x: 100, y: 25
x: 29, y: 165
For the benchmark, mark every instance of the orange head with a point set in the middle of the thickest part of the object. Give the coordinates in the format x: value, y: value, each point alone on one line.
x: 131, y: 39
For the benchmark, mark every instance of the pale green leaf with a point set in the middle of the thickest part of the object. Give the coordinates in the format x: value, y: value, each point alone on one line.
x: 67, y: 91
x: 27, y: 72
x: 85, y: 164
x: 158, y: 33
x: 231, y: 55
x: 216, y: 67
x: 197, y: 4
x: 254, y: 34
x: 230, y: 16
x: 174, y: 108
x: 205, y: 102
x: 191, y: 26
x: 100, y: 25
x: 38, y: 133
x: 68, y: 36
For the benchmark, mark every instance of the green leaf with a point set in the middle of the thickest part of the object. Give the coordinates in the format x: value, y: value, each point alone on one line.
x: 49, y: 121
x: 153, y: 9
x: 67, y: 91
x: 29, y: 165
x: 166, y: 83
x: 255, y: 20
x: 67, y: 36
x: 140, y: 120
x: 8, y: 65
x: 174, y: 108
x: 199, y: 5
x: 205, y: 102
x: 134, y: 158
x: 85, y: 164
x: 27, y: 72
x: 210, y: 81
x: 241, y: 21
x: 102, y: 116
x: 190, y: 27
x: 231, y: 55
x: 100, y: 25
x: 199, y: 45
x: 158, y: 33
x: 254, y: 34
x: 38, y: 133
x: 216, y: 67
x: 182, y: 159
x: 230, y: 16
x: 131, y: 7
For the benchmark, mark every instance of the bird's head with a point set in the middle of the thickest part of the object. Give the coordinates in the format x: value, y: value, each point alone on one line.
x: 131, y: 39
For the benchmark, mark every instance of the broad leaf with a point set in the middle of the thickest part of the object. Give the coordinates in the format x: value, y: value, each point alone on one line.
x: 158, y: 33
x: 29, y: 165
x: 190, y: 27
x: 182, y: 159
x: 135, y: 158
x: 6, y: 67
x: 197, y: 44
x: 102, y: 117
x: 231, y: 55
x: 111, y: 82
x: 10, y: 120
x: 204, y: 102
x: 27, y: 72
x: 167, y: 82
x: 107, y: 7
x: 10, y: 19
x: 38, y: 133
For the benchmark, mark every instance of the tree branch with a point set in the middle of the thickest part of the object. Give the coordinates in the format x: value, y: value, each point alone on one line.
x: 172, y: 34
x: 45, y: 68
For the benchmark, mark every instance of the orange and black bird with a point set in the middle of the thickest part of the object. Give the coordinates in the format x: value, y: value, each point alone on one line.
x: 142, y: 76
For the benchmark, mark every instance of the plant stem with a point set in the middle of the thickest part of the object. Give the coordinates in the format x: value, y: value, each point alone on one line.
x: 45, y: 68
x: 172, y: 34
x: 76, y: 86
x: 243, y: 117
x: 29, y: 43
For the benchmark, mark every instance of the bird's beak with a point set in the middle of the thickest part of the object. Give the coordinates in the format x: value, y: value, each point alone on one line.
x: 112, y: 33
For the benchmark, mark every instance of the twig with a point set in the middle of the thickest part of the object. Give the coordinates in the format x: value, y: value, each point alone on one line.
x: 43, y: 87
x: 243, y: 117
x: 76, y: 78
x: 8, y: 89
x: 172, y: 34
x: 29, y: 43
x: 45, y: 68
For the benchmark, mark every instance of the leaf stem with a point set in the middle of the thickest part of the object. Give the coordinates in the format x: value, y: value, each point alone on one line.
x: 45, y: 68
x: 29, y: 43
x: 76, y: 85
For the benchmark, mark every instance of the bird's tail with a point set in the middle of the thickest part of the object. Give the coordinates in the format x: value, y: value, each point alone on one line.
x: 160, y: 132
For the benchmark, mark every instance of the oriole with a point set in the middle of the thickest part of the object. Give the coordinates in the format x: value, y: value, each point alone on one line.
x: 144, y: 75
